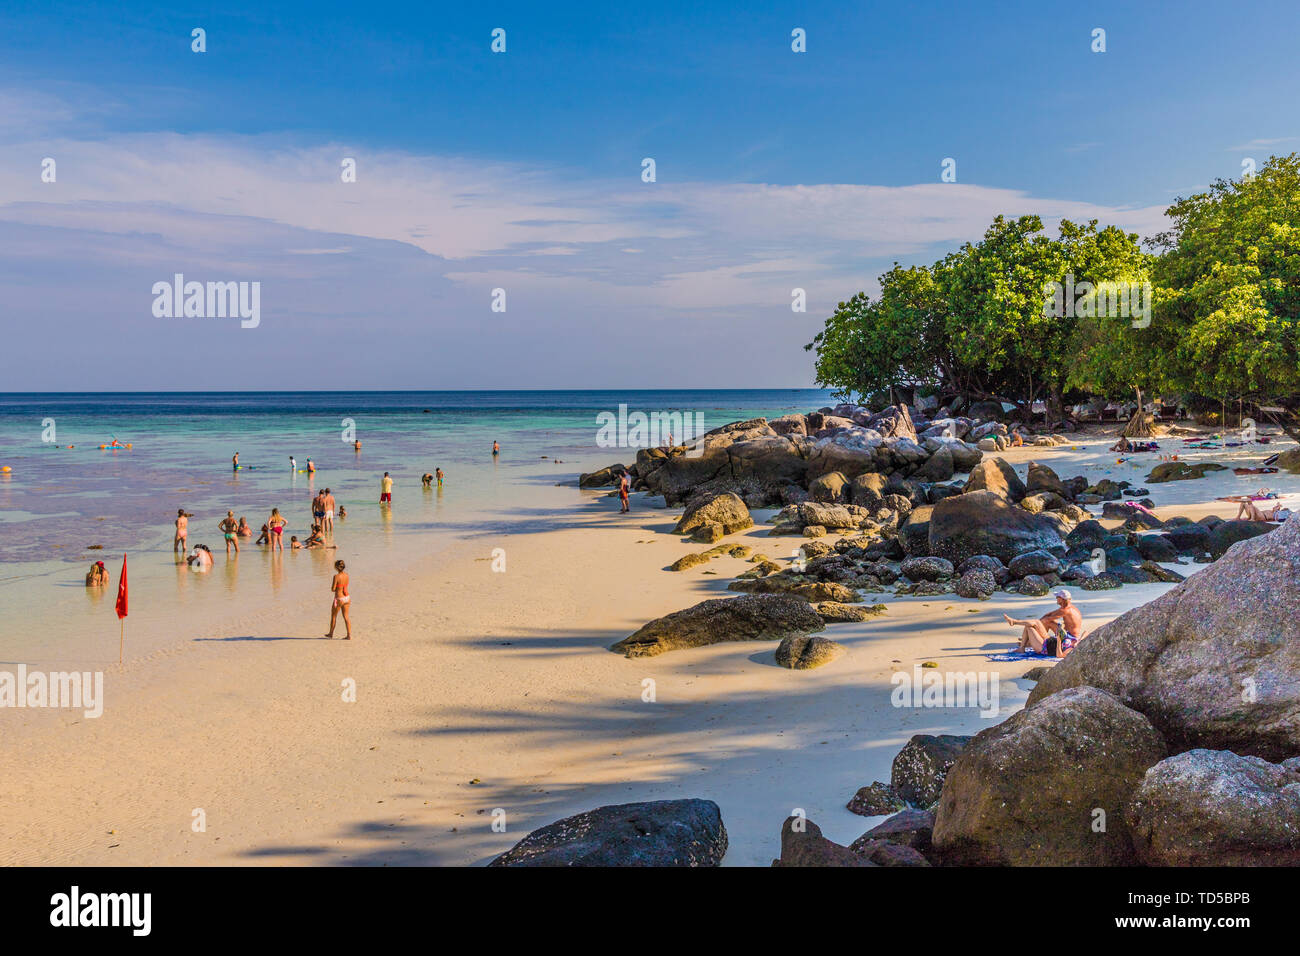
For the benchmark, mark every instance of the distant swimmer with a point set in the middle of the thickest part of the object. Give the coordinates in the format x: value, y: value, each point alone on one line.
x: 311, y: 469
x: 293, y: 463
x: 230, y: 528
x: 182, y: 530
x: 330, y: 504
x: 245, y: 529
x: 496, y: 449
x: 356, y: 445
x: 277, y: 524
x: 97, y: 576
x: 386, y: 489
x: 343, y: 512
x: 339, y: 588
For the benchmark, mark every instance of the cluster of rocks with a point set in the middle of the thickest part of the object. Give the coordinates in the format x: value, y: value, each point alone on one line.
x: 777, y: 462
x: 1171, y: 737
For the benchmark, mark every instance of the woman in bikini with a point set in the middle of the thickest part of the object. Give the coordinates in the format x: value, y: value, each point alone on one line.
x: 339, y: 588
x: 277, y: 524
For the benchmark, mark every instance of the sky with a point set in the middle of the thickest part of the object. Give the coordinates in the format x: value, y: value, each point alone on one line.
x: 524, y: 171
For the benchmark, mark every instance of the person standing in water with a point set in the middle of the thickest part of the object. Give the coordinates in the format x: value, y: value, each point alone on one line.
x: 276, y: 523
x: 230, y: 528
x: 293, y: 464
x: 386, y: 490
x: 329, y: 511
x: 339, y: 588
x: 234, y: 462
x: 182, y: 530
x: 496, y: 449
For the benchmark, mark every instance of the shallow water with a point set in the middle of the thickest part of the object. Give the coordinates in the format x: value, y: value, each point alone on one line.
x: 58, y: 501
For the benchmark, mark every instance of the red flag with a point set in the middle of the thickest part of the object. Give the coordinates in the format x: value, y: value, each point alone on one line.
x: 121, y: 591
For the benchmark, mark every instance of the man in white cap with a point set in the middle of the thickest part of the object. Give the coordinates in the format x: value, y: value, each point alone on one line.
x: 1066, y: 621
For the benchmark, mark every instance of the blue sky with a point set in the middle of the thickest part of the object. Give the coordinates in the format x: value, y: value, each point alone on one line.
x: 522, y: 171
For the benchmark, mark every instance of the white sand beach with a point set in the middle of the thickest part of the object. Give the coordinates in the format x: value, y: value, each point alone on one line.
x: 480, y: 691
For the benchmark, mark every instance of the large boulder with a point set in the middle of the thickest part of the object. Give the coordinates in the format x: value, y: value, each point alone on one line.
x: 1181, y: 471
x: 1213, y: 662
x: 657, y: 833
x: 1216, y: 808
x: 894, y: 422
x: 601, y: 477
x: 938, y: 467
x: 920, y: 768
x: 850, y: 452
x: 868, y: 488
x: 1227, y: 533
x: 831, y: 487
x: 753, y: 617
x: 1042, y: 479
x: 984, y: 522
x: 994, y: 474
x: 802, y: 653
x: 1027, y: 792
x: 914, y: 534
x: 727, y: 511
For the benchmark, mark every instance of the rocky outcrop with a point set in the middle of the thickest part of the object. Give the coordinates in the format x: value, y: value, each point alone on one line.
x: 1212, y: 662
x: 754, y: 617
x: 1029, y: 792
x: 658, y: 833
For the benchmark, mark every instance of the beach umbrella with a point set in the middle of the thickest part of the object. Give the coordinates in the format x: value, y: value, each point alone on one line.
x: 121, y: 610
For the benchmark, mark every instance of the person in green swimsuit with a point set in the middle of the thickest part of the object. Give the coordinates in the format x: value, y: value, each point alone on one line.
x: 230, y: 528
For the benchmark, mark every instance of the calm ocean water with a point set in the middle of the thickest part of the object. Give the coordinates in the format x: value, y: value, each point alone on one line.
x: 58, y: 501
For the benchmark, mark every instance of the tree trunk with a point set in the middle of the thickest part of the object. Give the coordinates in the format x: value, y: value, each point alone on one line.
x: 1138, y: 426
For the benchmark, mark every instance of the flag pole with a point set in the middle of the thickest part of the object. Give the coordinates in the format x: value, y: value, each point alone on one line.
x: 121, y: 640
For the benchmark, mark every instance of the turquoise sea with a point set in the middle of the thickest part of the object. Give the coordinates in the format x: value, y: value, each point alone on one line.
x: 58, y: 501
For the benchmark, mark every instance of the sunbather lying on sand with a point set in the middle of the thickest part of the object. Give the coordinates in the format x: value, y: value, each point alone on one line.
x: 1066, y: 621
x: 1251, y: 512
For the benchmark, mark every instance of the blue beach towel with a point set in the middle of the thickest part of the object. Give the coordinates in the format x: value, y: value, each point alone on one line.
x: 1020, y: 656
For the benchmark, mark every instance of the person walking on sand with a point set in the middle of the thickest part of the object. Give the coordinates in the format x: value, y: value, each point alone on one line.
x: 386, y: 490
x: 277, y: 524
x: 339, y: 588
x: 182, y: 531
x: 1066, y: 620
x: 624, y: 486
x: 229, y: 526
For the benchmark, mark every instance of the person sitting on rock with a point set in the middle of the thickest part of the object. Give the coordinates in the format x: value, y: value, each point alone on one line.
x: 1066, y: 621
